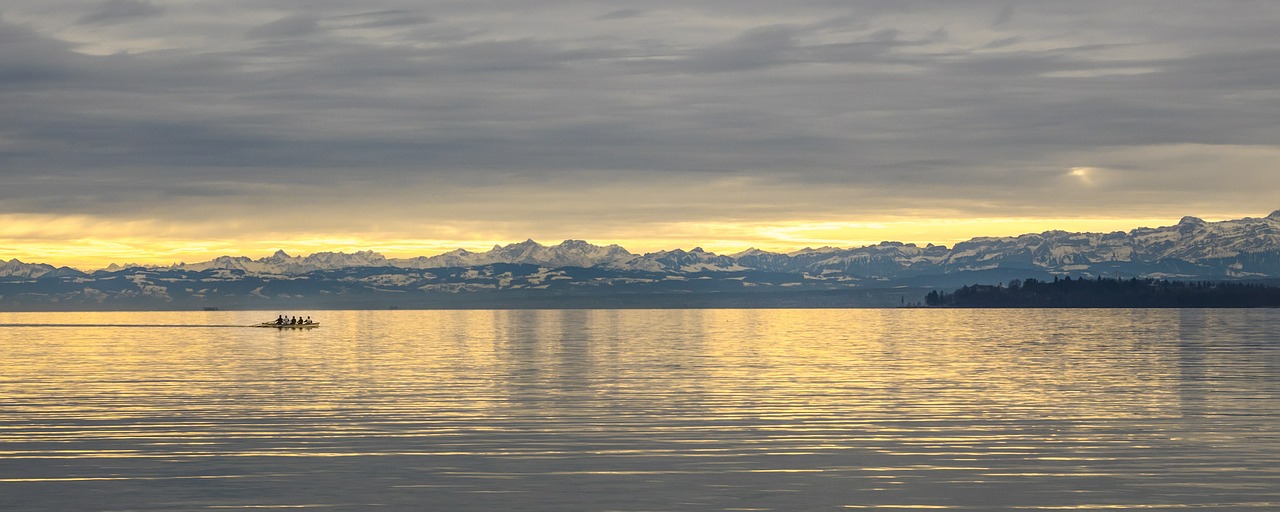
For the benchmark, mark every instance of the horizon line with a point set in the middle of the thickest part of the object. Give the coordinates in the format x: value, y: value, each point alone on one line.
x: 777, y: 240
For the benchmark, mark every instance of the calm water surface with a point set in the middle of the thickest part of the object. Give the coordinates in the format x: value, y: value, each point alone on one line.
x: 643, y: 410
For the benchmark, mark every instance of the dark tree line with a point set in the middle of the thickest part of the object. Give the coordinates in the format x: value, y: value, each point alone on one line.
x: 1109, y: 293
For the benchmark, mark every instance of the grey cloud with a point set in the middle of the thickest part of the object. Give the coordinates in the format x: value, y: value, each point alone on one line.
x: 1003, y: 17
x: 27, y: 57
x: 291, y: 26
x: 867, y: 100
x: 622, y: 14
x: 755, y: 48
x: 1010, y: 64
x: 1002, y: 42
x: 1234, y: 70
x: 119, y: 11
x: 773, y: 46
x: 507, y: 56
x: 383, y: 19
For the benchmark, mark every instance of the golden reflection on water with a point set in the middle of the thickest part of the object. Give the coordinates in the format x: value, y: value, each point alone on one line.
x: 629, y: 410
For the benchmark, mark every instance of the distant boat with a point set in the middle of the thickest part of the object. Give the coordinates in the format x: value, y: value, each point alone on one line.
x: 287, y: 326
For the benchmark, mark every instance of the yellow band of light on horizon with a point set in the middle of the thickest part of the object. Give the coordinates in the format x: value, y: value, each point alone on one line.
x: 89, y: 243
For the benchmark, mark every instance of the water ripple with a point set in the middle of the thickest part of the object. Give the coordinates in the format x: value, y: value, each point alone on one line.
x: 644, y: 410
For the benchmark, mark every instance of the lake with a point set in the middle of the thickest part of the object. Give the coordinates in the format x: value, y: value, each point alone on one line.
x: 638, y: 410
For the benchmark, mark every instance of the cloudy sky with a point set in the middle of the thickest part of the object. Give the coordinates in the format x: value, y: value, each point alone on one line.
x: 170, y: 130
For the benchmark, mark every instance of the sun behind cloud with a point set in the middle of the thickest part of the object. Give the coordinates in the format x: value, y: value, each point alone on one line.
x: 1085, y: 175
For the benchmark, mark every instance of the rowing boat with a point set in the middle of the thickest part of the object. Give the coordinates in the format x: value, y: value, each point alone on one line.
x: 272, y: 324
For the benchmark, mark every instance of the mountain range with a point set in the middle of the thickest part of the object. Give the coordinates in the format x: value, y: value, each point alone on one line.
x: 576, y: 273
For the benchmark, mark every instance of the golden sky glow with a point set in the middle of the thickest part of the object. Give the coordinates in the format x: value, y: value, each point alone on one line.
x: 87, y: 243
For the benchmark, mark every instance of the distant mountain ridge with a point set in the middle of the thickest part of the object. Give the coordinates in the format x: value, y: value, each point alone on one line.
x: 528, y: 272
x: 1239, y: 248
x: 1164, y: 251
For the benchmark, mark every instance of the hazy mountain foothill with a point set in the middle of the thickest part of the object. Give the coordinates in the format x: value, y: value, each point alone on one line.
x: 577, y: 274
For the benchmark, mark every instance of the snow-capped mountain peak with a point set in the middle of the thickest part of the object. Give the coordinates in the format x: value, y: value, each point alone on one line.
x: 1192, y: 246
x: 752, y: 251
x: 15, y: 268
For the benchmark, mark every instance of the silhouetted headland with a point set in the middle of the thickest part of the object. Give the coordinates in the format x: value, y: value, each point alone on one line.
x: 1110, y: 293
